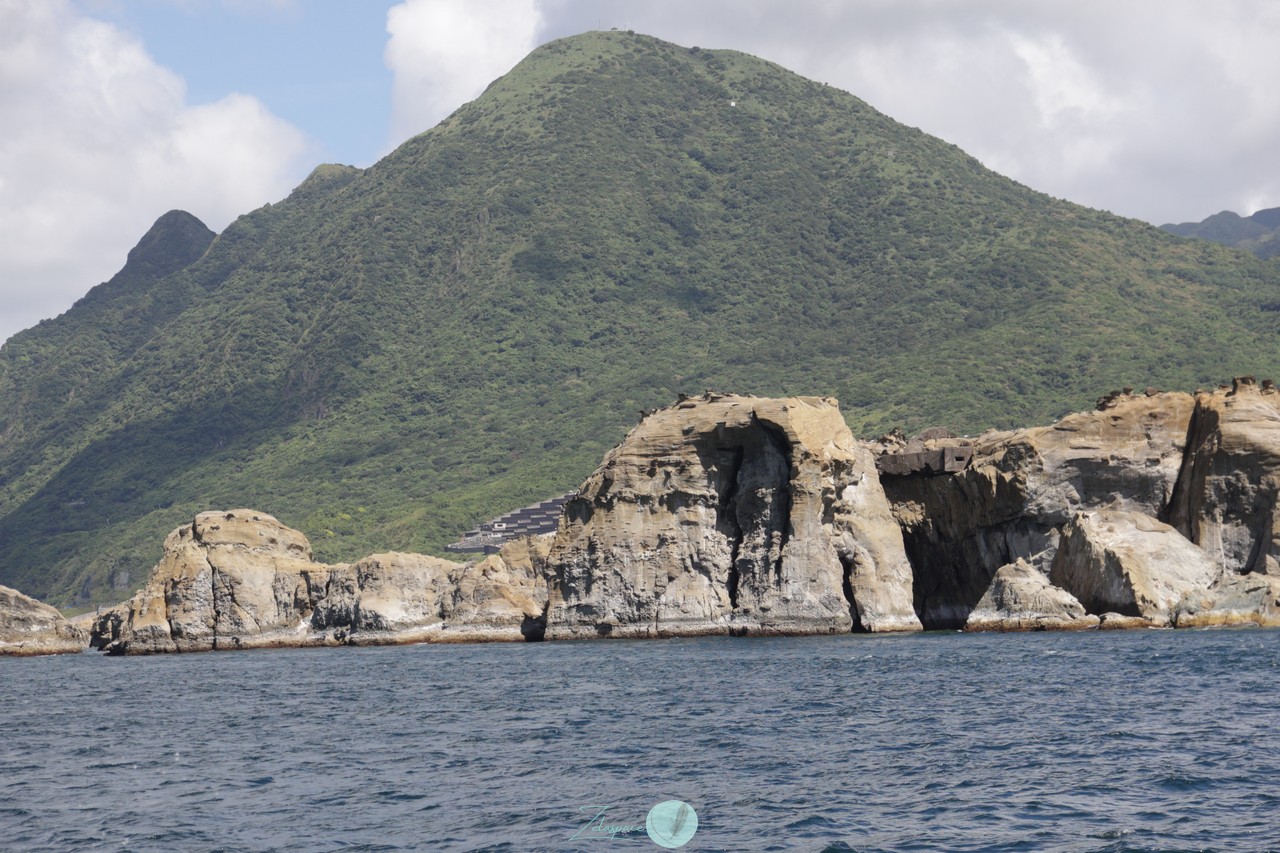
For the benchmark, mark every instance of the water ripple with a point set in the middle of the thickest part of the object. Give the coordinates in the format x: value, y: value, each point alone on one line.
x: 1110, y: 741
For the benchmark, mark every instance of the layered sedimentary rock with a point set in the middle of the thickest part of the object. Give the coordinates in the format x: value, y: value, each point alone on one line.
x: 731, y: 514
x: 31, y: 627
x: 1019, y: 488
x: 241, y: 579
x: 1129, y: 563
x: 1020, y: 598
x: 1226, y: 497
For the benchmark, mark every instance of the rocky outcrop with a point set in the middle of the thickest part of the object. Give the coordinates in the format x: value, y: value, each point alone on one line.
x: 1130, y: 564
x: 31, y: 627
x: 1252, y: 599
x: 1019, y: 489
x: 740, y: 515
x: 241, y: 579
x: 1226, y: 496
x: 729, y: 514
x: 1021, y: 598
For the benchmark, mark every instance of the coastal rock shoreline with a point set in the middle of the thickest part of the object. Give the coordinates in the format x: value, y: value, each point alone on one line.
x: 747, y: 516
x: 29, y: 628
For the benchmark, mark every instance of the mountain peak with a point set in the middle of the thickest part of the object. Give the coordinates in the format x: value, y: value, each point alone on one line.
x: 324, y: 179
x: 472, y: 321
x: 176, y: 240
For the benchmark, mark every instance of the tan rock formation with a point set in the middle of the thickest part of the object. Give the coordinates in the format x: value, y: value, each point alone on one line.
x: 241, y: 579
x: 1021, y: 598
x: 1252, y: 599
x: 1129, y: 563
x: 1120, y: 622
x: 31, y: 627
x: 731, y: 514
x: 1021, y: 487
x: 1226, y: 498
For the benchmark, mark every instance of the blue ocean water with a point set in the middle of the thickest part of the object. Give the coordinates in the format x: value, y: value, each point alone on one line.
x: 1099, y: 741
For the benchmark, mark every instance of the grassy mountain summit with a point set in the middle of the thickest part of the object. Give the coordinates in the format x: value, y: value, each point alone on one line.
x: 391, y: 354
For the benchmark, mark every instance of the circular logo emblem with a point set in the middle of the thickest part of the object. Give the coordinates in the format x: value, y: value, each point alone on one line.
x: 671, y: 824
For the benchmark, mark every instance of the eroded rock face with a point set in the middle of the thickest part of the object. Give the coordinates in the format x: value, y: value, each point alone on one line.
x: 31, y: 627
x: 1021, y: 598
x: 1021, y: 487
x: 731, y: 514
x: 1130, y: 564
x: 1252, y: 599
x: 241, y: 579
x: 1226, y: 498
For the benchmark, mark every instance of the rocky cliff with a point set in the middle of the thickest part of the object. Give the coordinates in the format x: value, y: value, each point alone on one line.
x: 1129, y: 563
x: 1225, y: 500
x: 241, y: 579
x: 743, y: 515
x: 731, y: 514
x: 1020, y: 488
x: 30, y: 627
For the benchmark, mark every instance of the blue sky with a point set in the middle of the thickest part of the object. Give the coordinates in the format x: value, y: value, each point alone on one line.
x: 317, y: 64
x: 116, y: 111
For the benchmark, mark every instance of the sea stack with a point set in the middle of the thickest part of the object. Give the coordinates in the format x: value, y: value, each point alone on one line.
x: 731, y: 514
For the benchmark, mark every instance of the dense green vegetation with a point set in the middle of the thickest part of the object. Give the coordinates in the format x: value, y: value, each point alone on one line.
x: 1258, y: 233
x: 390, y: 355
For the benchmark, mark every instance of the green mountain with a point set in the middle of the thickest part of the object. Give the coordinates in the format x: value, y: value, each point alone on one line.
x: 1259, y: 233
x: 390, y: 355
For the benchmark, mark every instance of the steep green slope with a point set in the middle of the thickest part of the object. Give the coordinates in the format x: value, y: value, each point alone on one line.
x: 392, y: 354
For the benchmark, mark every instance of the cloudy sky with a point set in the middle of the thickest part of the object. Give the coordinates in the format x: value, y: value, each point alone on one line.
x: 115, y: 111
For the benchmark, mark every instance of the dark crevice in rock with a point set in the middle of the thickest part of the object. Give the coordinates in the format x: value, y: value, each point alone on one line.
x: 534, y: 628
x: 846, y: 585
x: 782, y: 495
x: 1257, y: 563
x: 1185, y: 504
x: 728, y: 520
x: 213, y: 598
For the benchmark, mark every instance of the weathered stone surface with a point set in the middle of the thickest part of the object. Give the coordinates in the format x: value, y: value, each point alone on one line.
x: 241, y: 579
x: 731, y: 514
x: 1252, y: 599
x: 742, y: 515
x: 1129, y: 563
x: 1021, y: 487
x: 499, y: 600
x: 1226, y: 497
x: 1120, y: 622
x: 31, y: 627
x: 1021, y: 598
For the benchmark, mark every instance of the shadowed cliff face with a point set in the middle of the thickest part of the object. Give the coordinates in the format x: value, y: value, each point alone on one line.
x: 1022, y: 487
x: 751, y: 470
x: 731, y: 514
x: 1226, y: 498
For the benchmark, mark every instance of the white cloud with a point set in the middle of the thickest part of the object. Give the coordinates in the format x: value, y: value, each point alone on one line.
x: 443, y: 53
x: 99, y: 142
